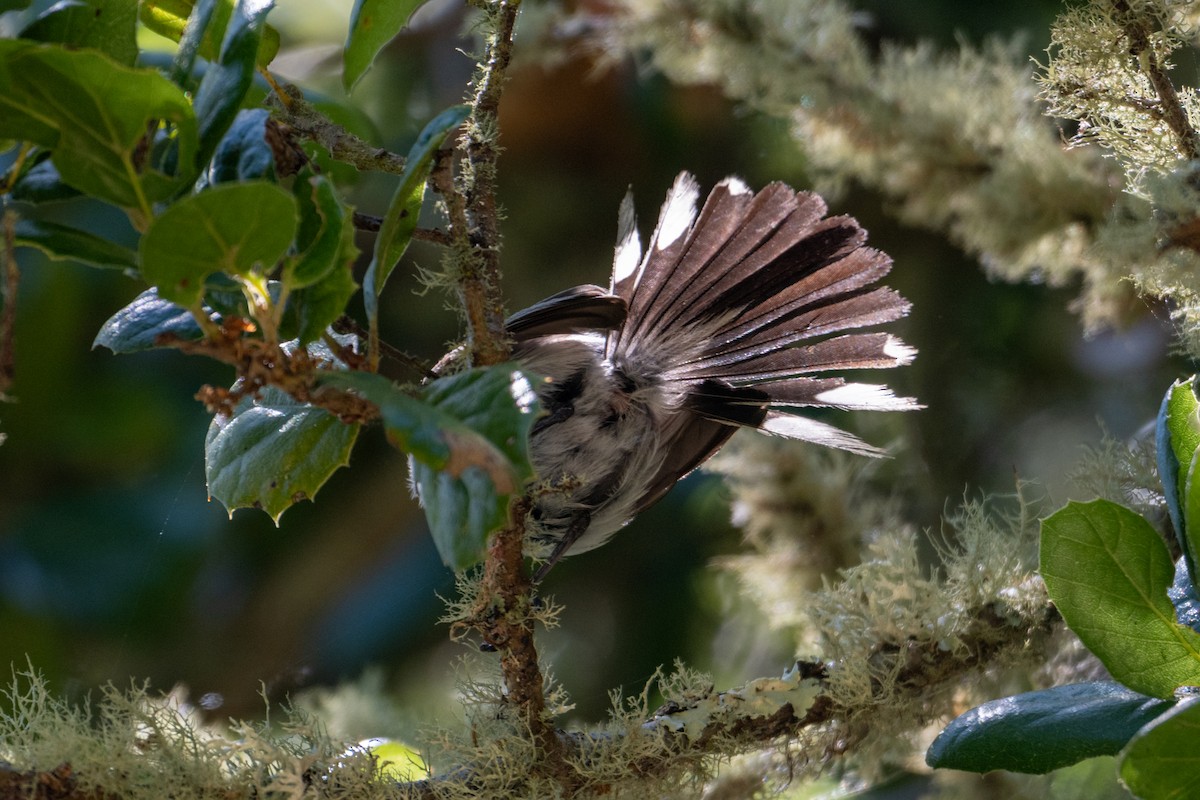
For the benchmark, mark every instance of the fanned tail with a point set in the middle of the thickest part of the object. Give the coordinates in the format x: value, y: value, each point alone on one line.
x: 743, y: 303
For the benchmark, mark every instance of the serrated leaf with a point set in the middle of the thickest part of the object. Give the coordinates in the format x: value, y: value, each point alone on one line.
x: 469, y: 439
x: 1038, y: 732
x: 93, y: 113
x: 105, y: 25
x: 273, y: 453
x: 138, y: 325
x: 225, y: 83
x: 1162, y: 762
x: 233, y: 228
x: 71, y: 244
x: 243, y: 153
x: 1108, y: 571
x: 373, y: 23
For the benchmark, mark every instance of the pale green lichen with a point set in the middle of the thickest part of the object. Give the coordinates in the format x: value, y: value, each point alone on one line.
x: 139, y: 746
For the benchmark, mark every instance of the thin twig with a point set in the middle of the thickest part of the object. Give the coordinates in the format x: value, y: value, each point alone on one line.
x: 372, y: 224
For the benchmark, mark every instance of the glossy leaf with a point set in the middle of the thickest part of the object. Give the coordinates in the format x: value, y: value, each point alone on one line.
x: 71, y: 244
x: 1108, y: 572
x: 468, y: 437
x: 1183, y: 596
x: 225, y: 83
x: 243, y: 154
x: 170, y: 18
x: 93, y: 114
x: 1177, y: 438
x: 41, y: 183
x: 373, y: 23
x: 233, y: 228
x: 395, y: 233
x: 105, y: 25
x: 273, y: 453
x: 1162, y: 762
x: 1039, y: 732
x: 138, y: 325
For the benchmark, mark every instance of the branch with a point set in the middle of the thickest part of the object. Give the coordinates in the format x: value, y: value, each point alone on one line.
x: 259, y: 364
x: 479, y: 282
x: 676, y: 737
x: 1171, y: 110
x: 304, y: 119
x: 372, y: 224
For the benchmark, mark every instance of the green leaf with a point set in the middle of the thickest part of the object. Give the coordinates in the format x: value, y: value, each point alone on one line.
x: 1108, y: 572
x: 94, y: 115
x: 314, y: 308
x: 395, y: 233
x: 1038, y: 732
x: 243, y: 153
x: 1178, y: 441
x: 224, y: 85
x: 373, y: 23
x: 105, y: 25
x: 138, y: 325
x: 273, y: 453
x: 469, y: 439
x: 170, y: 18
x: 235, y: 228
x: 41, y: 183
x: 71, y: 244
x: 326, y: 235
x: 1162, y: 762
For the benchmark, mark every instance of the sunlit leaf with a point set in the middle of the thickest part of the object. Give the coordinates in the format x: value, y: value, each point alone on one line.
x: 400, y: 221
x: 233, y: 228
x: 373, y: 23
x: 94, y: 114
x: 1162, y: 762
x: 1107, y: 571
x: 105, y: 25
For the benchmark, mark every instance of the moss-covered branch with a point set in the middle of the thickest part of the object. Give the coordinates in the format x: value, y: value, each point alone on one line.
x: 306, y: 121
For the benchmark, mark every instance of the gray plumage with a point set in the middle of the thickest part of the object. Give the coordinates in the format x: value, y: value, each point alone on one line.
x: 722, y: 322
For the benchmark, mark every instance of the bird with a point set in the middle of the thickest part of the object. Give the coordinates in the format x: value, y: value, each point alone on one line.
x: 729, y: 318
